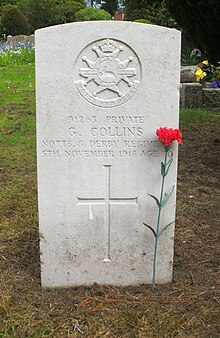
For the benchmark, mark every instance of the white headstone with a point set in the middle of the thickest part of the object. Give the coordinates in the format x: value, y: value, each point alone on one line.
x: 103, y: 88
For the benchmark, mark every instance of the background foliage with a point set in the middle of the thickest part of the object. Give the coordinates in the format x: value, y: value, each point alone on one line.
x: 38, y: 13
x: 92, y: 14
x: 198, y: 20
x: 15, y: 22
x: 111, y: 6
x: 201, y: 21
x: 154, y: 11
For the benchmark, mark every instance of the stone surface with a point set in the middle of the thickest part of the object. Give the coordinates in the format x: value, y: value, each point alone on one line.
x: 103, y: 88
x: 21, y: 38
x: 207, y: 84
x: 187, y: 74
x: 190, y: 95
x: 211, y: 97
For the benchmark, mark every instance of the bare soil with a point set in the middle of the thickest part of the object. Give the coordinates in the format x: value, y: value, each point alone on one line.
x: 187, y: 307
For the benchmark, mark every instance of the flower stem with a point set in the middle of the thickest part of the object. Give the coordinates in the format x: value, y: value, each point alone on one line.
x: 158, y: 221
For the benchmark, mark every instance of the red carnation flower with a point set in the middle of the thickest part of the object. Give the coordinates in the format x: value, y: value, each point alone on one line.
x: 169, y: 135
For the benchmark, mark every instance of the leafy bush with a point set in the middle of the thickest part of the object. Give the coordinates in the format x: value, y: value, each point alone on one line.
x: 65, y: 11
x: 14, y: 22
x: 110, y: 6
x: 40, y: 13
x: 200, y: 20
x: 91, y: 14
x: 144, y: 21
x: 154, y: 11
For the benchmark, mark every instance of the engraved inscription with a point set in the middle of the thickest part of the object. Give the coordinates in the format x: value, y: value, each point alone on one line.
x: 109, y: 73
x: 111, y: 137
x: 107, y: 201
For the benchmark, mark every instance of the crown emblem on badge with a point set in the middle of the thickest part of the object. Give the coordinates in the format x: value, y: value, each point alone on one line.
x: 108, y: 46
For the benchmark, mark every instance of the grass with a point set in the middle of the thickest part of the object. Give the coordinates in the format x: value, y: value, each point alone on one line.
x: 17, y: 102
x: 192, y: 116
x: 17, y: 144
x: 177, y: 310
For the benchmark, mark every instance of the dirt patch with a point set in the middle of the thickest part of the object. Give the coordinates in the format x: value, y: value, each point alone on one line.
x: 187, y: 307
x: 15, y: 111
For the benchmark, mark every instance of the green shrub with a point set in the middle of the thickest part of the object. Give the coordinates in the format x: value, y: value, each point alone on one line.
x: 110, y: 6
x: 200, y: 21
x: 14, y: 22
x: 154, y: 11
x: 91, y: 14
x: 144, y: 21
x: 65, y: 11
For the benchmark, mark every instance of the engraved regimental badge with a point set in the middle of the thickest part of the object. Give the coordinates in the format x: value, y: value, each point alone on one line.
x: 108, y: 72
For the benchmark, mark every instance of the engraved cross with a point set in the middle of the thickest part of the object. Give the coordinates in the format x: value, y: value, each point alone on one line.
x: 107, y: 201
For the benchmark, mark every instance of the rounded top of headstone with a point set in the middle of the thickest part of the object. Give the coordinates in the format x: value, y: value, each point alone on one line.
x: 105, y: 23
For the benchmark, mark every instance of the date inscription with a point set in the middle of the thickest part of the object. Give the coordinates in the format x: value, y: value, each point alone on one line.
x: 121, y: 136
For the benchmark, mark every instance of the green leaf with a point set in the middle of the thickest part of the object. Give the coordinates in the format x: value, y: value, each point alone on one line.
x: 162, y: 169
x: 156, y: 199
x: 150, y: 229
x: 168, y: 166
x: 167, y: 196
x: 166, y: 226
